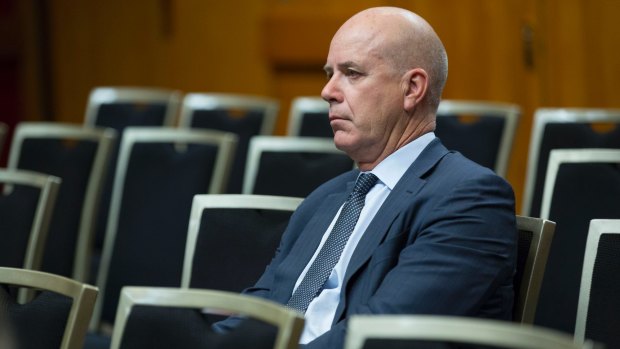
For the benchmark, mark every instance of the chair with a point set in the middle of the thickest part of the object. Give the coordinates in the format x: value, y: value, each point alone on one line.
x: 580, y: 185
x: 379, y: 331
x: 56, y: 318
x: 292, y: 166
x: 237, y: 236
x: 135, y: 301
x: 244, y: 115
x: 535, y: 236
x: 26, y: 206
x: 118, y: 108
x: 561, y: 129
x: 158, y: 173
x: 599, y: 305
x: 309, y: 117
x: 482, y: 131
x: 79, y: 157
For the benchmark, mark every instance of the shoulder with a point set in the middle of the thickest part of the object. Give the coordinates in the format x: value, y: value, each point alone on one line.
x: 448, y: 168
x: 456, y: 168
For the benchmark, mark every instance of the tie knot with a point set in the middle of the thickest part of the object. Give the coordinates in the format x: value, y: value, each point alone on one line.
x: 364, y: 182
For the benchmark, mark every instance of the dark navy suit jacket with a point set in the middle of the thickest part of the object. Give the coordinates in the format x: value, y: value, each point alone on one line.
x: 443, y: 242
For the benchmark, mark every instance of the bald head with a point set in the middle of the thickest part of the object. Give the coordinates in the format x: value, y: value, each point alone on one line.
x: 404, y: 40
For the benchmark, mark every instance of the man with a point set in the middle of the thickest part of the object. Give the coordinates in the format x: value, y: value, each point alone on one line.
x: 436, y: 234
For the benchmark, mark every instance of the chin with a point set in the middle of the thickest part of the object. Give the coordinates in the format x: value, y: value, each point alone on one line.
x: 346, y: 147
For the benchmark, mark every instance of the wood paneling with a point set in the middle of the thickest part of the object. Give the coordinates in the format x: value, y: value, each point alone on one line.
x: 580, y: 53
x: 187, y: 45
x: 530, y: 52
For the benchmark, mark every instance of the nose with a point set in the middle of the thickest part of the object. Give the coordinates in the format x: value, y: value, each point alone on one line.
x: 331, y: 92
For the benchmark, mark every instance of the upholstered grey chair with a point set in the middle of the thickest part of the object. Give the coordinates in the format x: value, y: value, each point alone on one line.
x: 292, y: 166
x: 564, y: 128
x: 137, y: 324
x: 27, y: 201
x: 597, y: 312
x: 535, y: 236
x: 79, y: 156
x: 244, y: 115
x: 158, y: 173
x: 405, y: 331
x: 309, y: 117
x: 232, y: 238
x: 580, y: 185
x: 56, y: 318
x: 481, y: 130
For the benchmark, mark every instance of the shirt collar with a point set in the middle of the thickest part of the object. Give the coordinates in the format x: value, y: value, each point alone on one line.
x: 391, y: 169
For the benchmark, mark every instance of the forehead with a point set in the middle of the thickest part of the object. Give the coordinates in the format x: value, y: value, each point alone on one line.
x: 354, y: 48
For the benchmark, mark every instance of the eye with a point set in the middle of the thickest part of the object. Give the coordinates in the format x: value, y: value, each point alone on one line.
x: 352, y: 73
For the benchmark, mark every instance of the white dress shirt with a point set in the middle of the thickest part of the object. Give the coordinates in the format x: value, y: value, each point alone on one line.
x: 320, y: 313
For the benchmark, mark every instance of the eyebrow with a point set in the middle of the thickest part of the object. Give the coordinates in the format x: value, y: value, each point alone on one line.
x: 341, y: 66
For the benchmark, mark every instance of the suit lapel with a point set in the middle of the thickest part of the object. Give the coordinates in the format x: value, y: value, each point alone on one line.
x: 308, y: 242
x: 402, y: 194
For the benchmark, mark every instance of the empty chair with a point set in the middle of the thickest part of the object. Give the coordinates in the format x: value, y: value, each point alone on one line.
x: 79, y: 156
x: 120, y: 107
x: 56, y: 318
x: 581, y: 184
x: 232, y: 238
x: 482, y: 131
x: 292, y: 166
x: 561, y: 129
x: 404, y: 331
x: 597, y: 313
x: 26, y: 204
x: 535, y: 236
x: 180, y: 325
x: 244, y: 115
x: 158, y: 173
x: 309, y: 117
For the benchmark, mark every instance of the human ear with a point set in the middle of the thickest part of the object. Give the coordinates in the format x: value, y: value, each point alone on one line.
x: 416, y: 86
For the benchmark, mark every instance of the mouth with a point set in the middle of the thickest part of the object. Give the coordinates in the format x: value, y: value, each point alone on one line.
x: 333, y: 118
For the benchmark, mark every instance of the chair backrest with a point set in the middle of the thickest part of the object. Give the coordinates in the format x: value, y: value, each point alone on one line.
x: 561, y: 129
x: 79, y: 156
x: 236, y: 236
x: 244, y: 115
x: 292, y: 166
x: 481, y: 130
x: 26, y: 205
x: 117, y: 108
x: 379, y: 331
x: 120, y: 107
x: 309, y: 117
x: 535, y: 236
x: 288, y: 322
x: 158, y: 173
x: 599, y: 304
x: 56, y: 318
x: 580, y: 185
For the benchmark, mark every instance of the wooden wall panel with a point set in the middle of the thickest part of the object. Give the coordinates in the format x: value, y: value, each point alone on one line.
x: 530, y: 52
x: 188, y: 45
x: 580, y: 52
